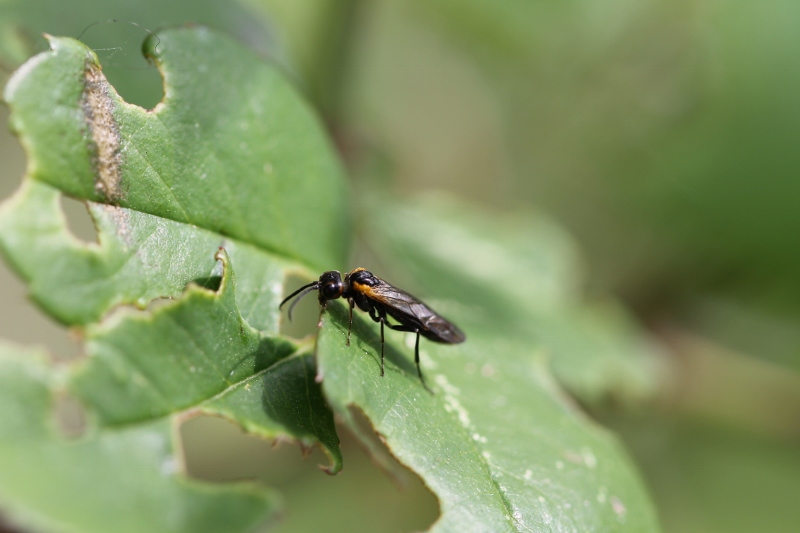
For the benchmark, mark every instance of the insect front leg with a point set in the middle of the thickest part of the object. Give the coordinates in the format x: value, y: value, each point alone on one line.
x: 323, y: 304
x: 352, y: 304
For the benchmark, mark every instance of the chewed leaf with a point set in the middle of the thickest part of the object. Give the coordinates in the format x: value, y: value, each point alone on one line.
x: 157, y: 497
x: 210, y: 179
x: 244, y: 156
x: 144, y: 365
x: 240, y: 165
x: 497, y: 442
x: 283, y: 399
x: 139, y: 258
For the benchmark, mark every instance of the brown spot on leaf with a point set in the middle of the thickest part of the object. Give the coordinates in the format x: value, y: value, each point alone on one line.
x: 121, y: 220
x: 98, y: 109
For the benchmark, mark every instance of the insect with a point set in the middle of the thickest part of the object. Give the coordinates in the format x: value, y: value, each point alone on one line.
x: 381, y: 300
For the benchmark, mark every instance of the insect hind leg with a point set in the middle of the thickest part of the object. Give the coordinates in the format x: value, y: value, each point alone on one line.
x: 382, y: 321
x: 411, y: 329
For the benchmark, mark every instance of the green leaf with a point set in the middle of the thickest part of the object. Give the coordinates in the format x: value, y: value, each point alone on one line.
x: 237, y: 172
x: 138, y: 258
x: 244, y: 156
x: 523, y: 276
x: 53, y: 484
x: 498, y: 442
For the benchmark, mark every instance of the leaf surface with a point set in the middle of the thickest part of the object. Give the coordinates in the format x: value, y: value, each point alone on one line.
x: 524, y: 279
x: 499, y: 442
x: 171, y: 327
x: 149, y: 493
x: 245, y: 158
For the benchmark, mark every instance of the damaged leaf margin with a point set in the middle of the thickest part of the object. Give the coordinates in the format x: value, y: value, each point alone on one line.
x: 244, y: 157
x: 128, y: 415
x: 83, y: 283
x: 145, y: 365
x: 198, y: 353
x: 156, y: 496
x: 499, y: 443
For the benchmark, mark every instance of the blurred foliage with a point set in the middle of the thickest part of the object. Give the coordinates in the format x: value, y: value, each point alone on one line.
x: 659, y: 134
x: 708, y: 477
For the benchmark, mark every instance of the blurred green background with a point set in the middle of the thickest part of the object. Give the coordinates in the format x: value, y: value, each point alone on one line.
x: 663, y: 135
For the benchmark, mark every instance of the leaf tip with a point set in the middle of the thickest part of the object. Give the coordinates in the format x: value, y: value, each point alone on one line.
x: 332, y: 469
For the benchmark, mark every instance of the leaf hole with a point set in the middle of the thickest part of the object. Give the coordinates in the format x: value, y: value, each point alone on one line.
x: 23, y: 323
x: 374, y: 445
x: 361, y: 498
x: 70, y: 416
x: 211, y: 283
x: 118, y: 45
x: 5, y: 525
x: 12, y: 155
x: 79, y: 221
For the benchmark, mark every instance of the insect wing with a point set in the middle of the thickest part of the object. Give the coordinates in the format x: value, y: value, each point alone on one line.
x: 408, y: 310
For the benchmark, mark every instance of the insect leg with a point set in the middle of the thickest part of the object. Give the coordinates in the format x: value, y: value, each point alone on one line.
x: 379, y: 316
x: 410, y: 329
x: 416, y: 361
x: 323, y: 305
x: 383, y: 321
x: 350, y: 326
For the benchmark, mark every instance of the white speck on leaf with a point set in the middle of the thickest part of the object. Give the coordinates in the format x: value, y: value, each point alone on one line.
x: 169, y: 466
x: 499, y: 401
x: 588, y: 457
x: 452, y: 403
x: 619, y: 508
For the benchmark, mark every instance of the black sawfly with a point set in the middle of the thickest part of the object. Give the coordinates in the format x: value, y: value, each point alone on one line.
x: 381, y: 300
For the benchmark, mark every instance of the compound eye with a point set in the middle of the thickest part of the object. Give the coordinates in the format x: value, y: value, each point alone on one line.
x: 331, y: 290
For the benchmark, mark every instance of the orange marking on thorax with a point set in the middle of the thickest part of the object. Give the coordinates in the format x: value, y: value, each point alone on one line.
x: 363, y: 289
